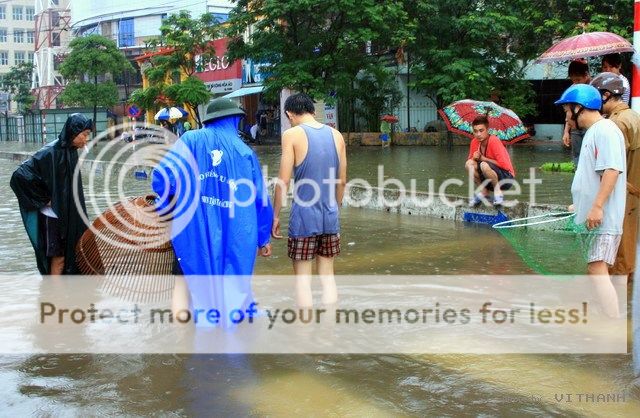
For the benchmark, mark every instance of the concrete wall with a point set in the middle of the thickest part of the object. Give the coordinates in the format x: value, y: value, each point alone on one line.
x: 405, y: 138
x: 433, y: 206
x: 549, y: 131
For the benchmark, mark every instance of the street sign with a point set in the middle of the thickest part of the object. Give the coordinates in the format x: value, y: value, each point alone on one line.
x: 134, y: 111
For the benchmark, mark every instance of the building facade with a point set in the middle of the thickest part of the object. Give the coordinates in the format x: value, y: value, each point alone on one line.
x: 50, y: 44
x: 133, y: 25
x: 17, y: 40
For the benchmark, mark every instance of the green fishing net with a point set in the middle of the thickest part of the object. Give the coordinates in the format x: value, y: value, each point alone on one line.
x: 550, y: 244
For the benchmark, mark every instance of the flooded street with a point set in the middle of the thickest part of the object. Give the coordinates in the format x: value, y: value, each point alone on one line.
x: 375, y: 243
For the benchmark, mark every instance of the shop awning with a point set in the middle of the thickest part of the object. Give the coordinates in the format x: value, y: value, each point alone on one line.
x: 244, y: 91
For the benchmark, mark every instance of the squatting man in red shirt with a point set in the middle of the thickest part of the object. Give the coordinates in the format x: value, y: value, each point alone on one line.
x: 489, y: 164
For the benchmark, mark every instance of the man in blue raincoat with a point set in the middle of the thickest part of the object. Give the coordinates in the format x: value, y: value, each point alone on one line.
x: 212, y: 185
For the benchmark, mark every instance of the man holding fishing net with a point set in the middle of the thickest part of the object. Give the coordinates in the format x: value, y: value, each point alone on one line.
x: 599, y: 185
x: 612, y: 88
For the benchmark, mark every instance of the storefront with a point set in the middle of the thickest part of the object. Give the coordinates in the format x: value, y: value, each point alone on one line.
x: 218, y: 74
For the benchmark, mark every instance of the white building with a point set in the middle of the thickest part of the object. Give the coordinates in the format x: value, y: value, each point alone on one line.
x: 17, y: 38
x: 131, y: 24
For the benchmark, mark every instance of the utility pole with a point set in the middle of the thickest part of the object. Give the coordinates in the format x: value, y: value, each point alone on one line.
x: 635, y: 79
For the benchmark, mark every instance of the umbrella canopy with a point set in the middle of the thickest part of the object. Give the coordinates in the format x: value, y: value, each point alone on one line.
x: 590, y: 44
x: 173, y: 112
x: 503, y: 123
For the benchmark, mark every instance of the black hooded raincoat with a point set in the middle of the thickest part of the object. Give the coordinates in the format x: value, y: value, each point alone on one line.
x: 48, y: 177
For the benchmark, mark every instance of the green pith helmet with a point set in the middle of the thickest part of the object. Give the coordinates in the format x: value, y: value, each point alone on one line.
x: 219, y: 108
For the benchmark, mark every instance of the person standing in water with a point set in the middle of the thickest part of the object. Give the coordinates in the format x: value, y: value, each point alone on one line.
x: 51, y: 200
x: 315, y: 155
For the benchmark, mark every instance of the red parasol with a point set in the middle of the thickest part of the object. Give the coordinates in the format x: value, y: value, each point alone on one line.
x: 590, y: 44
x: 503, y: 122
x: 389, y: 118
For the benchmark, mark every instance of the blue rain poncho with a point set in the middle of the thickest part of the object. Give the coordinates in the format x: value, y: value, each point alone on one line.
x: 212, y: 185
x: 222, y: 213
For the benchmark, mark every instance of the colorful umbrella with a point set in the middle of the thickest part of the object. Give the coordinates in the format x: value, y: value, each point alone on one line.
x: 503, y: 123
x: 590, y: 44
x: 173, y: 112
x: 389, y: 118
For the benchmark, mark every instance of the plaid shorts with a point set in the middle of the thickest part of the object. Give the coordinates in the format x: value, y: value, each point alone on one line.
x: 325, y: 245
x: 604, y: 248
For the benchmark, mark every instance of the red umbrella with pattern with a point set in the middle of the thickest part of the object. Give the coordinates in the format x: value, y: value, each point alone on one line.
x: 503, y: 122
x: 589, y: 44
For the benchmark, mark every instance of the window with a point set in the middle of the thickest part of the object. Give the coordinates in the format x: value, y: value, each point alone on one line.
x: 3, y: 12
x: 30, y: 56
x: 125, y: 33
x: 221, y: 17
x: 55, y: 39
x: 3, y: 35
x: 30, y: 37
x: 18, y: 36
x: 54, y: 18
x: 30, y: 13
x: 17, y: 12
x: 18, y: 57
x: 4, y: 58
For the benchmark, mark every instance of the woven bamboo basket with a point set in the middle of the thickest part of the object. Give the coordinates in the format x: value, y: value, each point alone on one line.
x: 130, y: 248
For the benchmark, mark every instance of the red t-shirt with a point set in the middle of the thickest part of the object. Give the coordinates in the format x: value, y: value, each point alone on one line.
x: 494, y: 150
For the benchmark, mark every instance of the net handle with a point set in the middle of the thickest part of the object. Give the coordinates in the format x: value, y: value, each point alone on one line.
x: 557, y: 217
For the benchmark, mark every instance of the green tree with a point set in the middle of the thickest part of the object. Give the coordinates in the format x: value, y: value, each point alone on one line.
x: 91, y: 58
x: 474, y: 47
x: 17, y: 82
x: 185, y: 44
x: 374, y: 92
x: 314, y: 46
x: 562, y: 18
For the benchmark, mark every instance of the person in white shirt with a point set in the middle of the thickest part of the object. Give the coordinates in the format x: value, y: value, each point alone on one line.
x: 611, y: 63
x: 599, y: 186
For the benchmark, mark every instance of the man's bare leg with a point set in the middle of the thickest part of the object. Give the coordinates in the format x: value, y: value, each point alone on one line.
x: 325, y: 271
x: 57, y: 266
x: 488, y: 173
x: 622, y: 286
x: 472, y: 168
x: 601, y: 281
x: 303, y: 271
x: 180, y: 297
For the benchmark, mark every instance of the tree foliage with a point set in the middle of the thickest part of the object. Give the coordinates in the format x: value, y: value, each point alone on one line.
x: 91, y: 58
x: 456, y: 48
x: 17, y: 82
x: 476, y: 47
x: 186, y: 36
x: 374, y: 92
x: 473, y: 49
x: 562, y: 18
x: 183, y: 44
x: 314, y: 46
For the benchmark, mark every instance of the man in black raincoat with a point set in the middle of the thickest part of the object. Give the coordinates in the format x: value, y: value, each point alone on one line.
x: 44, y: 187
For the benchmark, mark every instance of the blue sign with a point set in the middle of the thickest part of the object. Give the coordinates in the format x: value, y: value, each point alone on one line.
x: 134, y: 111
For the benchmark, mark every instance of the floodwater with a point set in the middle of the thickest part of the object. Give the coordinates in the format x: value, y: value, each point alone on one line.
x: 328, y: 385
